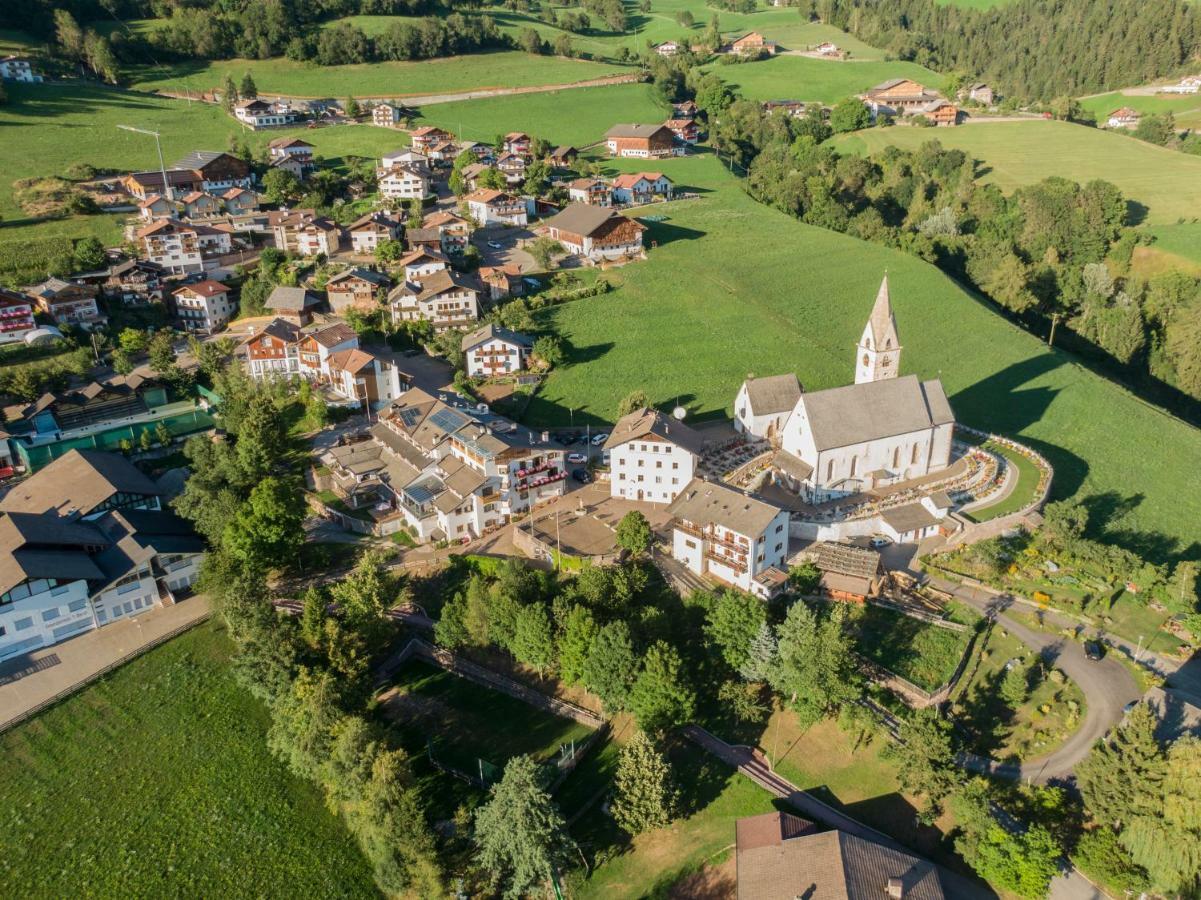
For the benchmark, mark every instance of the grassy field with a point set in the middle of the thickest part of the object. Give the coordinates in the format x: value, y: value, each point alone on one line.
x: 702, y: 311
x: 924, y: 654
x: 593, y: 110
x: 501, y: 69
x: 1176, y: 248
x: 1166, y: 182
x: 816, y: 80
x: 1185, y: 108
x: 157, y: 782
x: 49, y: 127
x: 975, y: 4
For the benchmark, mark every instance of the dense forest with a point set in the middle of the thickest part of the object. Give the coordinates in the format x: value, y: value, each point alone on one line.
x: 1032, y: 49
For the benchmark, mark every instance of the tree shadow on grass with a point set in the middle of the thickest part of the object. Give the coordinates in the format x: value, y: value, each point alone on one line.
x: 662, y: 233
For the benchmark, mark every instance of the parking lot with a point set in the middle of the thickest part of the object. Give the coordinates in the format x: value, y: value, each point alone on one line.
x: 507, y: 250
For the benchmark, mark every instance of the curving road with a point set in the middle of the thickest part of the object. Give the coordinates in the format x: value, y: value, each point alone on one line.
x: 1107, y: 686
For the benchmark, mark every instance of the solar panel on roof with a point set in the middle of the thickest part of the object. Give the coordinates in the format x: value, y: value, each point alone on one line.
x: 409, y: 417
x: 449, y: 420
x: 421, y: 493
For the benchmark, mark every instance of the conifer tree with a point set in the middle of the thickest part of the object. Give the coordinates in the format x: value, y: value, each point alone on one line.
x: 646, y: 797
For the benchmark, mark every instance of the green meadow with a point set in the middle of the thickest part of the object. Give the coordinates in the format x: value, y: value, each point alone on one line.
x: 1166, y: 182
x: 1185, y: 108
x: 816, y: 80
x: 156, y: 782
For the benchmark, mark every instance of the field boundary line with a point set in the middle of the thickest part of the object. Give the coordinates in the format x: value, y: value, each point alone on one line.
x: 100, y: 673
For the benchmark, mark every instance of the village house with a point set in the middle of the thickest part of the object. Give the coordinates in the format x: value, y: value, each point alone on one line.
x: 134, y: 282
x: 316, y: 347
x: 640, y: 141
x: 882, y: 429
x: 441, y: 153
x: 911, y: 523
x: 293, y: 304
x: 517, y: 142
x: 67, y: 302
x: 794, y: 108
x: 198, y: 205
x: 848, y: 572
x: 408, y: 158
x: 421, y: 263
x: 779, y: 856
x: 292, y: 165
x: 899, y: 96
x: 179, y: 182
x: 471, y: 174
x: 488, y: 206
x: 18, y: 68
x: 592, y: 191
x: 424, y: 239
x: 685, y: 109
x: 385, y: 115
x: 183, y: 248
x: 361, y: 376
x: 291, y: 148
x: 358, y: 288
x: 445, y: 299
x: 154, y: 207
x: 218, y: 171
x: 652, y: 457
x: 512, y: 167
x: 763, y: 405
x: 752, y: 44
x: 491, y: 351
x: 366, y: 232
x: 204, y: 307
x: 726, y: 535
x: 240, y: 201
x: 83, y: 543
x: 596, y: 233
x: 304, y: 233
x: 981, y: 93
x: 427, y: 136
x: 502, y: 282
x: 404, y: 183
x: 276, y: 350
x: 828, y: 48
x: 942, y: 113
x: 1124, y: 117
x: 666, y: 48
x: 454, y: 231
x: 563, y: 157
x: 686, y: 130
x: 16, y: 316
x: 259, y: 113
x: 641, y: 187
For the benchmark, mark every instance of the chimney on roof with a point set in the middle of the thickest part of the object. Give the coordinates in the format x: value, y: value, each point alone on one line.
x: 895, y: 888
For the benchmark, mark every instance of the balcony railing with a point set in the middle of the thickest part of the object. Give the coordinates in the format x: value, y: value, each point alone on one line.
x: 541, y: 482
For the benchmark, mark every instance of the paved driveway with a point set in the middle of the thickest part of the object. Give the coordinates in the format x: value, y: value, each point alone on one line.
x: 1106, y: 684
x: 508, y: 253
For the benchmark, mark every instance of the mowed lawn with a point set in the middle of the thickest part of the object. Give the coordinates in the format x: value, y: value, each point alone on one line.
x: 1166, y: 182
x: 734, y: 287
x: 580, y: 116
x: 816, y: 80
x: 500, y: 69
x: 918, y: 651
x: 1175, y: 248
x: 48, y: 127
x: 157, y: 782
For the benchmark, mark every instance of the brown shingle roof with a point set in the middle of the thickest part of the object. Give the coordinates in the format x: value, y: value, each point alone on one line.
x: 845, y: 559
x: 709, y: 502
x: 79, y: 480
x: 584, y: 219
x: 648, y: 421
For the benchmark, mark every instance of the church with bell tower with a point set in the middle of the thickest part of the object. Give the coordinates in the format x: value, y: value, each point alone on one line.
x: 878, y: 355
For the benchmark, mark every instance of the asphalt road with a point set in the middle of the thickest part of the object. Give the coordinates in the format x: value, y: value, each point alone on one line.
x: 1106, y: 685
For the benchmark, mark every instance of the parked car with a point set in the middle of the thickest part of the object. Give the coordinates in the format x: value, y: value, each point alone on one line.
x: 577, y: 458
x: 880, y: 541
x: 1094, y: 650
x: 599, y: 439
x: 581, y: 475
x: 494, y: 245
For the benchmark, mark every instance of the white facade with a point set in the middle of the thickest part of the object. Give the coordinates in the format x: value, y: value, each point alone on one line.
x: 177, y: 251
x: 504, y: 210
x: 400, y: 183
x: 878, y: 354
x: 407, y: 158
x: 496, y: 356
x: 641, y: 189
x: 203, y: 311
x: 46, y: 614
x: 761, y: 425
x: 14, y: 68
x: 729, y: 555
x: 651, y: 469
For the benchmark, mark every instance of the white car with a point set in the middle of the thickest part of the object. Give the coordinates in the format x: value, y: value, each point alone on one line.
x: 880, y: 541
x: 599, y: 439
x: 577, y: 458
x: 494, y: 245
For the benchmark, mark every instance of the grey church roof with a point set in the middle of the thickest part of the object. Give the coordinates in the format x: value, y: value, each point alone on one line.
x: 773, y: 394
x: 857, y: 413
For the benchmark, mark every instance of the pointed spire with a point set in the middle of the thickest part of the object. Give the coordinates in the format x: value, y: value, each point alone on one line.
x: 883, y: 323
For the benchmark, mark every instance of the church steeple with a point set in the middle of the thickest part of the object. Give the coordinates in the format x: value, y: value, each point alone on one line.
x: 878, y: 355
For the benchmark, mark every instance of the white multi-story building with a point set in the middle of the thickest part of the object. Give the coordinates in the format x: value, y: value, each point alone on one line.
x: 263, y: 114
x: 652, y: 457
x: 491, y: 351
x: 82, y: 543
x: 403, y: 183
x: 726, y: 535
x: 181, y: 248
x: 488, y: 206
x: 203, y: 307
x: 368, y: 231
x: 305, y: 233
x: 446, y: 299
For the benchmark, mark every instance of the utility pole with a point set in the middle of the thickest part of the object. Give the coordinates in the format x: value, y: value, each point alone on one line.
x: 162, y: 167
x: 1054, y: 322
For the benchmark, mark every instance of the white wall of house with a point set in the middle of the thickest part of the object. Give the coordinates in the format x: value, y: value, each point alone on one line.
x: 767, y: 549
x: 495, y: 357
x: 45, y: 616
x: 760, y: 426
x: 651, y: 470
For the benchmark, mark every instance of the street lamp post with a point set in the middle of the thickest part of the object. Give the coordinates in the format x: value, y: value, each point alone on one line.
x: 162, y: 167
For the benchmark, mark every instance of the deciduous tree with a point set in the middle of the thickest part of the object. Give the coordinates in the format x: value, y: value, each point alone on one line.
x: 645, y: 795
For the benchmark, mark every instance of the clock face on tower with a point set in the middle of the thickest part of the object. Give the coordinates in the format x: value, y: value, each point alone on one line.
x: 886, y: 361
